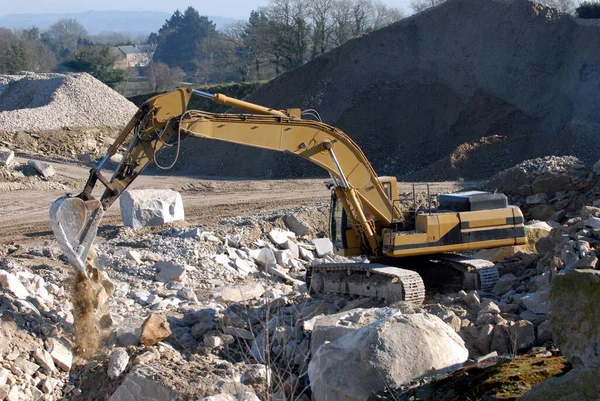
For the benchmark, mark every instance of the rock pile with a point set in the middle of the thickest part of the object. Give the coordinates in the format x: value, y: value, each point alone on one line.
x: 550, y: 188
x: 39, y: 102
x: 432, y: 100
x: 35, y: 350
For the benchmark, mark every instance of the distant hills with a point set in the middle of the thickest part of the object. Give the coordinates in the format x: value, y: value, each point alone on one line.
x: 96, y: 22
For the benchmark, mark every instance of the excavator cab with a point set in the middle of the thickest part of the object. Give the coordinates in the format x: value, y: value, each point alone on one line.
x: 343, y: 236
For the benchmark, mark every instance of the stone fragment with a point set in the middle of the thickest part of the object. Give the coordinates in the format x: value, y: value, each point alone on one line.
x: 13, y: 394
x: 263, y: 256
x: 536, y: 199
x: 574, y: 315
x: 592, y: 222
x: 36, y: 394
x: 150, y: 207
x: 306, y: 254
x: 147, y: 357
x: 212, y: 341
x: 61, y: 355
x: 154, y: 330
x: 544, y: 332
x: 522, y: 335
x: 279, y: 237
x: 48, y: 385
x: 386, y: 353
x: 238, y: 332
x: 505, y: 283
x: 3, y: 376
x: 127, y: 336
x: 257, y: 375
x: 117, y: 364
x: 44, y: 358
x: 484, y: 339
x: 43, y: 169
x: 536, y: 302
x: 139, y: 384
x: 29, y: 368
x: 536, y: 231
x: 501, y: 341
x: 293, y: 248
x: 6, y: 157
x: 323, y: 246
x: 11, y: 283
x: 241, y: 292
x: 244, y: 266
x: 135, y: 256
x: 472, y: 300
x: 283, y: 257
x: 169, y: 271
x: 298, y: 226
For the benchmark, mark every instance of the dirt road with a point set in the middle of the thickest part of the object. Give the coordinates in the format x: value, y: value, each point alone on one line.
x: 24, y: 213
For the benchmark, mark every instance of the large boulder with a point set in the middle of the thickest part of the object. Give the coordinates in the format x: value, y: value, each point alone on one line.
x: 385, y: 353
x: 150, y: 207
x: 328, y: 328
x: 575, y: 315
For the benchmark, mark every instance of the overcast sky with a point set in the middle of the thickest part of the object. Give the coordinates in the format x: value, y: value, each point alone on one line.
x: 239, y: 9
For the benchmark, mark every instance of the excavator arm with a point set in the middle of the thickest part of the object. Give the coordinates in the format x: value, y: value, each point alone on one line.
x: 164, y: 121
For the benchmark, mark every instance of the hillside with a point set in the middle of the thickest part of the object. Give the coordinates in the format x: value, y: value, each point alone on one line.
x: 462, y: 90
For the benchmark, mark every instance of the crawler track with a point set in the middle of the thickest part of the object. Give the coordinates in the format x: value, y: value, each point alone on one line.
x: 367, y: 279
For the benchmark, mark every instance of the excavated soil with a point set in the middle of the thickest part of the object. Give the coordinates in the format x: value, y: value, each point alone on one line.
x: 462, y: 90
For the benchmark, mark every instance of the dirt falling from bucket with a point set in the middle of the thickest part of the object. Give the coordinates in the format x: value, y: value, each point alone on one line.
x: 88, y: 336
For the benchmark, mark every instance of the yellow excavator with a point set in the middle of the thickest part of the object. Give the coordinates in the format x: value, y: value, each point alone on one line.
x: 367, y: 218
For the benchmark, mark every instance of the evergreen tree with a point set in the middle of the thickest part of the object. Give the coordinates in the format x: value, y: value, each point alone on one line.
x: 178, y: 41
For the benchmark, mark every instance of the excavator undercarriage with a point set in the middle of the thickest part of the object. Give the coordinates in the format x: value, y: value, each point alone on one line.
x: 406, y: 246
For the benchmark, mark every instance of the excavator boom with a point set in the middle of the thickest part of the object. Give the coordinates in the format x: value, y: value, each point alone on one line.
x: 371, y: 222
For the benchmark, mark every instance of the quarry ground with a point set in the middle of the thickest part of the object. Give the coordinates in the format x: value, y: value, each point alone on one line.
x: 24, y: 212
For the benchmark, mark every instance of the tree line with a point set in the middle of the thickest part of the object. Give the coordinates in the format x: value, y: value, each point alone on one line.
x: 66, y: 45
x: 274, y: 39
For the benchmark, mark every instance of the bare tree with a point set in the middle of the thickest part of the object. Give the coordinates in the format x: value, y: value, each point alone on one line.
x: 162, y: 77
x: 384, y: 15
x: 236, y: 49
x: 320, y: 12
x: 421, y: 5
x: 65, y: 33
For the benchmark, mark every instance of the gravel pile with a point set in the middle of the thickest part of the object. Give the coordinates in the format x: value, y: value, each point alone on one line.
x: 430, y: 87
x: 38, y: 102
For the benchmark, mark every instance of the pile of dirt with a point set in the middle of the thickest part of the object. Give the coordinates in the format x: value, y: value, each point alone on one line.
x: 38, y: 102
x: 418, y: 96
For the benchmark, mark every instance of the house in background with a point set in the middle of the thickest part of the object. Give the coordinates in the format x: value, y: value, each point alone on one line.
x: 132, y: 56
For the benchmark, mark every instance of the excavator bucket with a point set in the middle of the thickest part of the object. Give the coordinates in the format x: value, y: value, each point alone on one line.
x: 75, y: 225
